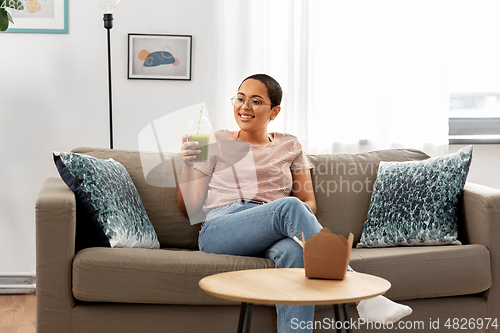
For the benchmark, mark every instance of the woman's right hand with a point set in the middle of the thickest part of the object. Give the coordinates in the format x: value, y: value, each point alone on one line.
x: 188, y: 155
x: 193, y: 185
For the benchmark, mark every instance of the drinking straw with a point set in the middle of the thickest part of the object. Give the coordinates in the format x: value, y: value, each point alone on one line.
x: 199, y: 121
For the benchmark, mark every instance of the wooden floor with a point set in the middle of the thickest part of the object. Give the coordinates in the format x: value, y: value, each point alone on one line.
x: 18, y: 313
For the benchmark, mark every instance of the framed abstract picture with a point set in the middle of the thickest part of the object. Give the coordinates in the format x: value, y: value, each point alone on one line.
x: 159, y: 57
x: 40, y: 16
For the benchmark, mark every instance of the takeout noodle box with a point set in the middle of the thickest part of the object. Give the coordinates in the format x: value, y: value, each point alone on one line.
x: 326, y: 255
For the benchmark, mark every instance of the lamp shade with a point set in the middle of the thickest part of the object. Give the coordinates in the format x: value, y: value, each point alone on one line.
x: 107, y: 5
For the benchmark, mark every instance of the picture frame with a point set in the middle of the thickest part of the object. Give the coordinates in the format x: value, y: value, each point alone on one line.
x: 40, y: 16
x: 159, y: 57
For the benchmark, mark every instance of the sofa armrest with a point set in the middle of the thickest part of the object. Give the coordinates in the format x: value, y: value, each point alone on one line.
x: 480, y: 217
x: 55, y: 249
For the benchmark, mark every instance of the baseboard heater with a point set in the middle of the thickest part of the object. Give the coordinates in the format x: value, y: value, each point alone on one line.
x: 17, y: 283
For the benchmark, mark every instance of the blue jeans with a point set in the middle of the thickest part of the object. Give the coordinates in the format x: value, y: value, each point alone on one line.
x: 264, y: 230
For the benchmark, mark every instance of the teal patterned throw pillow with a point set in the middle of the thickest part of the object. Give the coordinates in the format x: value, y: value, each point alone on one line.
x: 109, y: 209
x: 415, y: 202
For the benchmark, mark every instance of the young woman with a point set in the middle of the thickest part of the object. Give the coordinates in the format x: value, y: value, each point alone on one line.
x: 257, y: 209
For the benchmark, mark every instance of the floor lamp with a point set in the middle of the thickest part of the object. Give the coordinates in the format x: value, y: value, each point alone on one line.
x: 108, y: 6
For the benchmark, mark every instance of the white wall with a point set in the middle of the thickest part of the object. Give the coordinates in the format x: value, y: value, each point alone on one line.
x: 485, y: 165
x: 54, y: 96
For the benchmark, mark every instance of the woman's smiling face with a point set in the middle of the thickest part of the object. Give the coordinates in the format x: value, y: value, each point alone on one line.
x: 247, y: 118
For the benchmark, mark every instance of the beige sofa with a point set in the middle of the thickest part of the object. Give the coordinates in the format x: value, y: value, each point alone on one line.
x: 139, y: 290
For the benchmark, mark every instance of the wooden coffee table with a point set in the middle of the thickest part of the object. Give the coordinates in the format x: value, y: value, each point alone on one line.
x: 289, y: 286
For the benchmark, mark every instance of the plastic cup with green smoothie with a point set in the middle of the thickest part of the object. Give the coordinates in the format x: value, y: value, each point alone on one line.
x: 200, y: 130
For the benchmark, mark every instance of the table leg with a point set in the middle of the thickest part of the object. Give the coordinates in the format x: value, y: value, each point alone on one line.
x: 347, y: 319
x: 249, y: 317
x: 245, y: 317
x: 337, y: 317
x: 243, y: 312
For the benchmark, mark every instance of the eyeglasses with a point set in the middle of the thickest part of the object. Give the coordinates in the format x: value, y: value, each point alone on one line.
x: 253, y: 103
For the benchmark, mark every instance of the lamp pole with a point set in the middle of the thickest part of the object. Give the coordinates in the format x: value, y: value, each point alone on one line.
x: 108, y: 24
x: 108, y: 6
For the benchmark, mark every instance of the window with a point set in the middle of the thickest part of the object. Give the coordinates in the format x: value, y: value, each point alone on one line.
x: 473, y: 71
x: 474, y: 118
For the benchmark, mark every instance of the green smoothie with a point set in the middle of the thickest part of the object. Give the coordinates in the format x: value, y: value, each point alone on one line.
x: 203, y: 146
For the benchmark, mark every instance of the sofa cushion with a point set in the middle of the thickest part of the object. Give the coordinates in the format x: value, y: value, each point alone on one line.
x: 343, y: 186
x: 172, y: 228
x: 152, y: 276
x: 172, y: 276
x: 415, y: 202
x: 114, y: 213
x: 427, y: 271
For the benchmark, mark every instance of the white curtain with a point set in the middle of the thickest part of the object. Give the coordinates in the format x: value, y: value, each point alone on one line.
x: 356, y: 75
